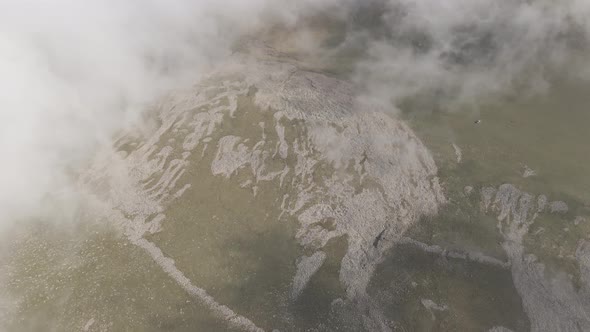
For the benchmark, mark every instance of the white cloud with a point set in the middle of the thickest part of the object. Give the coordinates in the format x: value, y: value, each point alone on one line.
x: 74, y: 72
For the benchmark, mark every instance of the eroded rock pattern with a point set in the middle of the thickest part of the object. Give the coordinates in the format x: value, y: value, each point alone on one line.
x: 350, y: 171
x: 552, y: 303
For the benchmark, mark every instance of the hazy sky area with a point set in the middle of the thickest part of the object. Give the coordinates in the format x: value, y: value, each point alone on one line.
x: 72, y: 73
